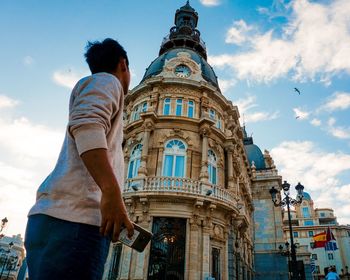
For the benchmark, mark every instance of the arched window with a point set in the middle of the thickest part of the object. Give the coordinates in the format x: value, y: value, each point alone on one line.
x: 166, y: 107
x: 140, y: 108
x: 174, y: 159
x: 212, y: 167
x: 135, y: 160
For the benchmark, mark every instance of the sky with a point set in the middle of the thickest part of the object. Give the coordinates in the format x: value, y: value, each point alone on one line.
x: 261, y: 50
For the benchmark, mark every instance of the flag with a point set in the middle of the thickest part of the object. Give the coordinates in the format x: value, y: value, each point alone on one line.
x: 320, y: 240
x: 313, y: 266
x: 330, y: 235
x: 331, y: 246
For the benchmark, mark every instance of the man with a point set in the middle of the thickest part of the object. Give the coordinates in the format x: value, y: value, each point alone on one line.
x: 332, y: 274
x: 79, y: 206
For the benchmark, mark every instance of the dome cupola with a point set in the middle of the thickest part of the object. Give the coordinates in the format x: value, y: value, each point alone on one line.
x: 184, y: 33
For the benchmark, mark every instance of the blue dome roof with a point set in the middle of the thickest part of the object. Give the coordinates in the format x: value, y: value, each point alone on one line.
x: 306, y: 196
x: 157, y: 65
x: 254, y: 154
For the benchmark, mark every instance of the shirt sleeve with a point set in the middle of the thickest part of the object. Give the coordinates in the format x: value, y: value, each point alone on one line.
x: 92, y: 111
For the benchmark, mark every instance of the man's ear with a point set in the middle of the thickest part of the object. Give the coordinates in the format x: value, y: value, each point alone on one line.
x: 123, y: 65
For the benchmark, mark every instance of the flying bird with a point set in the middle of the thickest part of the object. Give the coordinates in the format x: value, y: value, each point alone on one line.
x: 297, y: 90
x: 297, y: 117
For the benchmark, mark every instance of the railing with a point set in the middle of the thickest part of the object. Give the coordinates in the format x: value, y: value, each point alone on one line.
x: 177, y: 185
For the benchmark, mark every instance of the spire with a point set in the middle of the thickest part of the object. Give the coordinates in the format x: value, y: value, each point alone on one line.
x: 184, y: 34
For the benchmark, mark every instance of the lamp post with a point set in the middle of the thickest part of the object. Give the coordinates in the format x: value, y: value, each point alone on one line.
x: 288, y: 201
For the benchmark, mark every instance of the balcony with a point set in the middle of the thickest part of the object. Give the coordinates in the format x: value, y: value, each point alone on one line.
x: 173, y: 186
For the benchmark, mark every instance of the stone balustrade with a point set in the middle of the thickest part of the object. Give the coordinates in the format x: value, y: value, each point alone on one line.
x: 178, y: 185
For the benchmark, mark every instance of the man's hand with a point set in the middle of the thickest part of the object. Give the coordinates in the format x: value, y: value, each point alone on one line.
x: 113, y: 211
x: 114, y: 217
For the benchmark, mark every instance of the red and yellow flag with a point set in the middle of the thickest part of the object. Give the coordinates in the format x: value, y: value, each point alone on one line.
x: 320, y: 240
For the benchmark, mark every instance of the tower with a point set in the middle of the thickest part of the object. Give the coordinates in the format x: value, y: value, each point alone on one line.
x: 187, y: 174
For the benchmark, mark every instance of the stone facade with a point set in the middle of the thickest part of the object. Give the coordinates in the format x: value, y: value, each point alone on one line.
x: 185, y: 162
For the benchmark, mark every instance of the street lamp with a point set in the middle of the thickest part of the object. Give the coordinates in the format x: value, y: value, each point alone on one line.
x: 288, y: 201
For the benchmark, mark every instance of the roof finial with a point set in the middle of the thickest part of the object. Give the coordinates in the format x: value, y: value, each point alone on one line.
x: 187, y: 2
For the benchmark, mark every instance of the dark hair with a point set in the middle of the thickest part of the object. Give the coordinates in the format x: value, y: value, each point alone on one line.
x: 104, y: 56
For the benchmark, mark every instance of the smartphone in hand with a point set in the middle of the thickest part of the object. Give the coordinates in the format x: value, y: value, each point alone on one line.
x: 138, y: 241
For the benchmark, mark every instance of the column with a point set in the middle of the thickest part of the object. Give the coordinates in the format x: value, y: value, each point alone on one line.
x: 230, y: 182
x: 125, y: 266
x: 142, y: 258
x: 194, y: 251
x: 206, y: 253
x: 203, y: 176
x: 145, y: 143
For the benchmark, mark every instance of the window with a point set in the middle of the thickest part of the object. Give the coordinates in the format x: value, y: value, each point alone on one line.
x: 322, y: 214
x: 174, y: 159
x: 115, y: 261
x: 311, y: 233
x: 179, y: 107
x: 306, y: 213
x: 212, y: 114
x: 330, y: 256
x: 137, y: 110
x: 166, y: 107
x: 190, y: 109
x: 312, y: 244
x: 212, y: 168
x: 218, y: 123
x: 135, y: 159
x: 308, y: 223
x: 216, y: 263
x: 314, y: 257
x: 295, y: 234
x: 144, y: 107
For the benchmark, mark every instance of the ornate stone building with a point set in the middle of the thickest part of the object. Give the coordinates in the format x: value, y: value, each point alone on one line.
x: 188, y: 177
x: 269, y: 264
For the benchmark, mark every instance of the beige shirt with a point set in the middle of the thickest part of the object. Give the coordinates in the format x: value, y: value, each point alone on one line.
x: 95, y: 121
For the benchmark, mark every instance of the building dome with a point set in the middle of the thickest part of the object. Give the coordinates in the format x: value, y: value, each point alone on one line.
x: 253, y: 152
x: 306, y: 196
x: 157, y: 65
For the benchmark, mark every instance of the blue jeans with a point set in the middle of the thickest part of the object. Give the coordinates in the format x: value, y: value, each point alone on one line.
x: 58, y: 249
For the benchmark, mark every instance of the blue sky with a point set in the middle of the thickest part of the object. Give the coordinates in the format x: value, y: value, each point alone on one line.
x: 260, y: 50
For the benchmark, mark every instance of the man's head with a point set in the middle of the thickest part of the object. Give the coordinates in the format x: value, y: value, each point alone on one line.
x: 109, y: 56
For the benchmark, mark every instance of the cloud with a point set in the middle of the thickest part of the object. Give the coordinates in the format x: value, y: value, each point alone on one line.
x: 225, y: 85
x: 300, y: 114
x: 316, y: 122
x: 7, y: 102
x: 246, y: 104
x: 337, y: 131
x: 67, y: 78
x: 295, y: 51
x: 28, y: 60
x: 338, y: 101
x: 303, y: 161
x: 210, y: 3
x: 238, y: 33
x: 28, y: 153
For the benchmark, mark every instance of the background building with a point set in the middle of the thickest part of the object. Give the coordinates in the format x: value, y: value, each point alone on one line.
x: 11, y: 256
x: 309, y: 221
x: 269, y: 264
